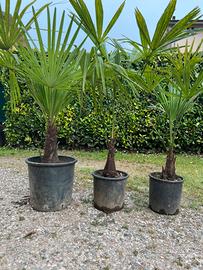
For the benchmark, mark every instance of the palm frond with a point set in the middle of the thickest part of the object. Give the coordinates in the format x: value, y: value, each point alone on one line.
x: 51, y: 71
x: 95, y: 31
x: 11, y: 33
x: 163, y: 36
x: 10, y: 23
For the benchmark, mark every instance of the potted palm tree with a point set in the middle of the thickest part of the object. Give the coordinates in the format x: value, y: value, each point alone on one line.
x: 175, y: 99
x: 108, y: 79
x: 51, y: 70
x: 182, y: 89
x: 109, y: 183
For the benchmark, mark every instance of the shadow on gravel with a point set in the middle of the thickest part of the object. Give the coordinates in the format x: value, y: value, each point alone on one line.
x: 24, y: 201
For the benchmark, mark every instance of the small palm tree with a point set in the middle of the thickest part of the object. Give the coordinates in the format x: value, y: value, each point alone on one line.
x: 184, y: 86
x: 103, y: 69
x: 51, y: 70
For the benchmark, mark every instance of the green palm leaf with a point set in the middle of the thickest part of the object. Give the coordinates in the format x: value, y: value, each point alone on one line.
x: 95, y: 32
x: 99, y: 17
x: 163, y: 36
x: 163, y: 24
x: 51, y: 71
x: 184, y: 88
x: 144, y: 33
x: 113, y: 20
x: 11, y: 33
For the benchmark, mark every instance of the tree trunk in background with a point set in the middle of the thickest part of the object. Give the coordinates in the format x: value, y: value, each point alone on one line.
x: 169, y: 171
x: 110, y: 167
x: 50, y: 147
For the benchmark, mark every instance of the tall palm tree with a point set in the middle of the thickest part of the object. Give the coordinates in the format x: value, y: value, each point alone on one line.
x: 51, y: 70
x: 101, y: 68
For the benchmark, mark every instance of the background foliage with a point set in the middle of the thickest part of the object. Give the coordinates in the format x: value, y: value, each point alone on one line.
x: 139, y: 128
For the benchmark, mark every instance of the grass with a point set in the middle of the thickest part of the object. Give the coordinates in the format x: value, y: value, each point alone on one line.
x: 190, y: 167
x: 6, y: 152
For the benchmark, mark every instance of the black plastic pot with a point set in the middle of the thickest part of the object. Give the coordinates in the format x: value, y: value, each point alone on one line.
x: 109, y: 192
x: 51, y: 184
x: 164, y: 195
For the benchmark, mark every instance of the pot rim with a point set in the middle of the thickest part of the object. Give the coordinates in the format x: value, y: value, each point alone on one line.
x: 122, y: 177
x: 54, y: 164
x: 179, y: 180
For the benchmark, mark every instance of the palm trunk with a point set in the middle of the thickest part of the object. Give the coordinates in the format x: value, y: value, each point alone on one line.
x: 50, y: 147
x: 169, y: 171
x: 110, y: 167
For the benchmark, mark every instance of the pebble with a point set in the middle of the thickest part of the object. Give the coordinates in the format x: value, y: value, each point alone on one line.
x: 83, y: 238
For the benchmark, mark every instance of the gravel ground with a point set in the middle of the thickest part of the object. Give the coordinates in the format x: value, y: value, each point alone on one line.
x: 83, y: 238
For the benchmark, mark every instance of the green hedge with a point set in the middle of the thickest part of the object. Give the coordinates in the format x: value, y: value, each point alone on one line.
x: 139, y: 128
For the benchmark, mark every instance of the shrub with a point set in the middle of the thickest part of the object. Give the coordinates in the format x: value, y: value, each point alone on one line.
x: 140, y: 128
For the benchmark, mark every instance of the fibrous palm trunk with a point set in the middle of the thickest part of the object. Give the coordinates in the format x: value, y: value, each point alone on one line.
x: 110, y: 166
x: 169, y: 171
x: 50, y: 147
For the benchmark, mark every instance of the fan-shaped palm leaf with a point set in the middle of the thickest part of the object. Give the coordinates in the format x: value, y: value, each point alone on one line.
x: 11, y: 33
x: 10, y: 23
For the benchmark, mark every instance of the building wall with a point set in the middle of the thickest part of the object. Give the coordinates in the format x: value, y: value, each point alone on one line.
x: 197, y: 39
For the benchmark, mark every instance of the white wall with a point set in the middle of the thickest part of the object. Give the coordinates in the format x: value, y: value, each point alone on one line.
x: 198, y: 37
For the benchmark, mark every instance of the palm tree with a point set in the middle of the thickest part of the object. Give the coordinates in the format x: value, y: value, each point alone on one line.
x: 11, y: 34
x: 184, y: 86
x: 51, y: 70
x: 103, y: 69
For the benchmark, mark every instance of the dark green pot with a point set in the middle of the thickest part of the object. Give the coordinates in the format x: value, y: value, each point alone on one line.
x: 51, y: 184
x: 164, y: 195
x: 109, y: 192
